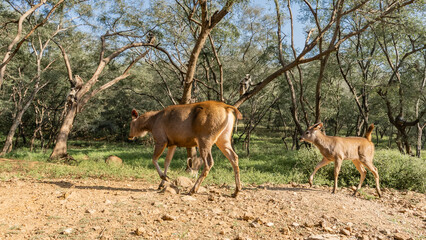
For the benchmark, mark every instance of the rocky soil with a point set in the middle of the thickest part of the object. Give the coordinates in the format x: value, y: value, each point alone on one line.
x: 132, y: 209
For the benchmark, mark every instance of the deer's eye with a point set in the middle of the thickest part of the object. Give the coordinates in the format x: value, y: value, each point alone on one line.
x: 307, y: 133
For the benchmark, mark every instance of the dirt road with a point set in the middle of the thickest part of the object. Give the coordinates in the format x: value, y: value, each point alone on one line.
x: 104, y: 209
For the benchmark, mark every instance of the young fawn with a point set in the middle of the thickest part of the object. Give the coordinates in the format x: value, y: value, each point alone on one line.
x: 358, y: 149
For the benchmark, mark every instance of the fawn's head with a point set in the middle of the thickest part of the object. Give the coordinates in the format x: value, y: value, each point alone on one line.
x: 311, y: 133
x: 137, y: 125
x: 193, y: 165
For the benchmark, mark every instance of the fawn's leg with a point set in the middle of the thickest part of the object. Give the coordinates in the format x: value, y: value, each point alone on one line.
x: 321, y: 164
x: 207, y: 157
x: 337, y: 166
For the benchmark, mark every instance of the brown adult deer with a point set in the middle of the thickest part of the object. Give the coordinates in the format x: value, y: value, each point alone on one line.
x: 198, y: 124
x: 358, y: 149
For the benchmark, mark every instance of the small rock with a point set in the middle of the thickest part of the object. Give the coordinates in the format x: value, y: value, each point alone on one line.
x: 170, y: 189
x: 211, y: 198
x: 328, y: 229
x: 202, y: 190
x: 140, y: 231
x: 385, y: 232
x: 345, y: 232
x: 96, y: 228
x: 91, y: 211
x: 67, y: 231
x: 247, y: 216
x: 323, y: 224
x: 239, y: 236
x: 401, y: 236
x: 324, y: 237
x: 167, y: 217
x: 285, y: 231
x: 64, y: 196
x: 308, y: 225
x: 269, y: 224
x: 259, y: 220
x: 254, y: 224
x: 348, y: 228
x: 217, y: 210
x: 183, y: 182
x: 403, y: 210
x: 188, y: 198
x: 295, y: 224
x: 364, y: 237
x: 114, y: 160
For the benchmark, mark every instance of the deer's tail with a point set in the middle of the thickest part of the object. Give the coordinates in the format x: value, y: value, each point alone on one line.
x: 368, y: 132
x: 236, y: 111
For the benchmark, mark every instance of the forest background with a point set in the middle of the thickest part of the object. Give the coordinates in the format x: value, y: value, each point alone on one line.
x: 74, y: 70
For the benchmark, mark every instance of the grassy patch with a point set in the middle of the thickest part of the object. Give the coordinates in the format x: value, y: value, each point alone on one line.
x: 269, y: 162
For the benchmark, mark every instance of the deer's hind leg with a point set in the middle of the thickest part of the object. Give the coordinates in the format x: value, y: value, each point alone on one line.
x: 369, y: 165
x: 363, y: 173
x: 226, y: 148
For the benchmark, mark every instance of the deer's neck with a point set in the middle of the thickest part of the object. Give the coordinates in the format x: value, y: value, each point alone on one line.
x: 147, y: 124
x: 323, y: 142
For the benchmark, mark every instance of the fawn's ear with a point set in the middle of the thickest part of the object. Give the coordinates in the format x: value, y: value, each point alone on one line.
x: 134, y: 114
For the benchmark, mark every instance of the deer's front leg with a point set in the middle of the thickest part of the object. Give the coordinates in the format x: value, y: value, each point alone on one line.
x: 169, y: 156
x: 158, y: 150
x: 321, y: 164
x: 337, y: 166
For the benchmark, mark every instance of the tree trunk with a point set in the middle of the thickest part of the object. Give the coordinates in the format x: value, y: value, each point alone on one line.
x: 192, y: 66
x: 9, y: 139
x: 60, y: 149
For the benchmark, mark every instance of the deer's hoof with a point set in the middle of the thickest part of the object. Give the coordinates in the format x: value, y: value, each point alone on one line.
x: 165, y: 177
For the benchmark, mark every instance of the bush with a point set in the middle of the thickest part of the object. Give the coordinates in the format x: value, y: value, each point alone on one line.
x: 395, y: 170
x: 401, y: 171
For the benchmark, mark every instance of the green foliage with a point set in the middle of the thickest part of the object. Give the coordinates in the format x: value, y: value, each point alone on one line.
x: 246, y: 43
x: 395, y: 170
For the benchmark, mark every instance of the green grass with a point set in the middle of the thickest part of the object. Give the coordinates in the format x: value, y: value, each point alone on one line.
x: 269, y: 162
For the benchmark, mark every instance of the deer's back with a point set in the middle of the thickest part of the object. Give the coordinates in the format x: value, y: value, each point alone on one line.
x: 184, y: 125
x: 348, y: 148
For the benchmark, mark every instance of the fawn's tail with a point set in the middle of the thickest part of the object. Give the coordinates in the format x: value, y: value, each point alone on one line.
x: 368, y: 132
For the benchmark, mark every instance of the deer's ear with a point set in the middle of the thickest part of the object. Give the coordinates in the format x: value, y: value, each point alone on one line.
x: 317, y: 126
x: 134, y: 114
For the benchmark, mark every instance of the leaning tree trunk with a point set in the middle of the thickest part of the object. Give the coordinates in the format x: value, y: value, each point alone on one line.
x: 9, y: 139
x: 60, y: 149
